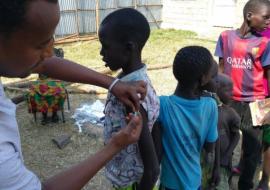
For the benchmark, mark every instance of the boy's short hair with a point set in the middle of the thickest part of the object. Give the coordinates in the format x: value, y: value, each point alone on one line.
x: 13, y: 14
x: 128, y: 25
x: 254, y: 5
x: 191, y: 63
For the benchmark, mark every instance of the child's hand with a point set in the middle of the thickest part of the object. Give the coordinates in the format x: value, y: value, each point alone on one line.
x: 130, y: 134
x: 130, y: 93
x: 266, y: 119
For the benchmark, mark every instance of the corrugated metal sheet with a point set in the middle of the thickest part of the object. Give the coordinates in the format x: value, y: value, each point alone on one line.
x: 87, y: 4
x: 151, y: 13
x: 67, y: 24
x: 67, y: 4
x: 108, y: 4
x: 149, y: 2
x: 104, y: 13
x: 79, y: 16
x: 87, y: 22
x: 125, y: 3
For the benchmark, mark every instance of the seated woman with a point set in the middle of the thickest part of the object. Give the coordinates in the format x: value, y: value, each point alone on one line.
x: 46, y: 95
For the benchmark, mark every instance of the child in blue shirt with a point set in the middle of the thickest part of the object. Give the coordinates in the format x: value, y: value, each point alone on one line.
x: 188, y: 120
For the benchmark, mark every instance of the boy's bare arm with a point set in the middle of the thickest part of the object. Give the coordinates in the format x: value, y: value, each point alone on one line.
x: 157, y: 138
x: 148, y: 155
x: 216, y: 168
x: 235, y: 136
x: 234, y: 125
x: 267, y: 71
x: 221, y: 65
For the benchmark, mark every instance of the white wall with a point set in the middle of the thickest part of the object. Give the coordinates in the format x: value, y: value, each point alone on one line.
x: 201, y: 15
x: 187, y: 14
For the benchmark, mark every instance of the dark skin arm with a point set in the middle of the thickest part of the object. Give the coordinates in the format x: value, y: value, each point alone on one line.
x: 221, y: 65
x: 211, y: 147
x: 266, y: 119
x: 157, y: 138
x: 216, y: 169
x: 148, y: 155
x: 267, y: 71
x: 235, y: 136
x: 77, y: 176
x: 69, y: 71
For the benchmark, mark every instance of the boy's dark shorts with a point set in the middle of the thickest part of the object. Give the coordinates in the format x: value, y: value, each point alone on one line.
x: 242, y: 108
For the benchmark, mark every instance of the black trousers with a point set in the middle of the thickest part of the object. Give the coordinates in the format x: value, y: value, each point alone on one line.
x: 251, y: 147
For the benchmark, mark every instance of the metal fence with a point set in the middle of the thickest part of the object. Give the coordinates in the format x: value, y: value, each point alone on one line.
x: 84, y: 16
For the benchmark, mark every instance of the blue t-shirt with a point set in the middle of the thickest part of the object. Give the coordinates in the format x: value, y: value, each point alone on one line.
x: 186, y: 126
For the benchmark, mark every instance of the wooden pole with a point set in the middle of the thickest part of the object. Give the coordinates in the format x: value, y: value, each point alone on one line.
x: 27, y: 80
x: 135, y: 4
x: 153, y: 17
x: 97, y: 16
x: 77, y: 17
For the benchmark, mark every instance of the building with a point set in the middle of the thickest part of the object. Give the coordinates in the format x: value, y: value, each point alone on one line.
x: 205, y: 17
x: 202, y: 16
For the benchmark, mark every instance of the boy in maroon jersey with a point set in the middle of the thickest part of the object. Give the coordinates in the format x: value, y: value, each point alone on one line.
x: 245, y: 57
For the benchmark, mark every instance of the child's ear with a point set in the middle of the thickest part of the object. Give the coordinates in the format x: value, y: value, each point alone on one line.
x: 249, y: 16
x: 131, y: 46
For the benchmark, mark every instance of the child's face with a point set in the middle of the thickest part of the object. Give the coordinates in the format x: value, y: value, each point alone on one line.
x: 225, y: 92
x: 260, y: 19
x: 115, y: 54
x: 23, y: 50
x: 212, y: 85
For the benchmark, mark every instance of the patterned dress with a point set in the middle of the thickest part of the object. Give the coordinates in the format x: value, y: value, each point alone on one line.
x: 46, y: 95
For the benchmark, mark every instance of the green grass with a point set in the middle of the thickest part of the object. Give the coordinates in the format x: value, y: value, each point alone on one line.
x: 159, y: 50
